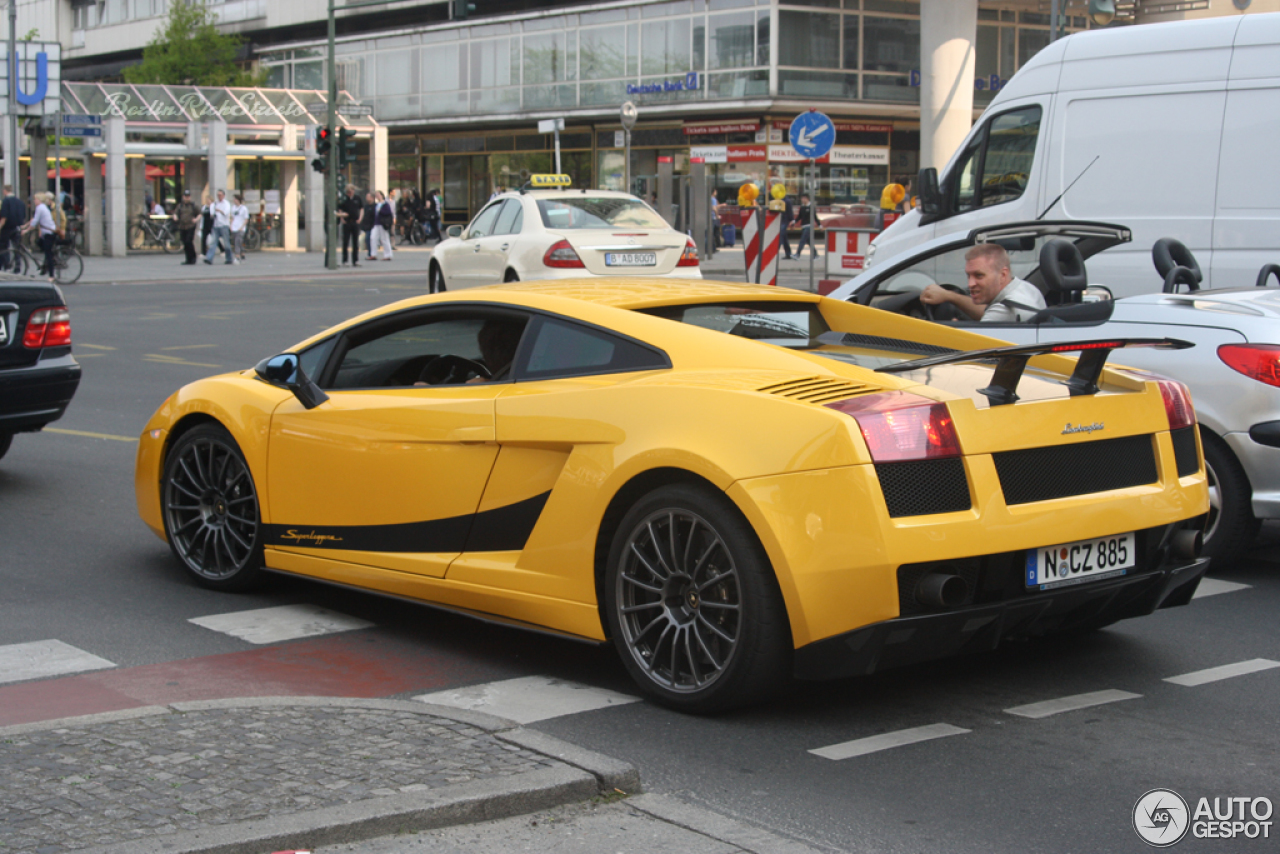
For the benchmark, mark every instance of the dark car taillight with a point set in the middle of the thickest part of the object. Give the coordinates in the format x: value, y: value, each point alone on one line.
x: 898, y: 426
x: 48, y: 327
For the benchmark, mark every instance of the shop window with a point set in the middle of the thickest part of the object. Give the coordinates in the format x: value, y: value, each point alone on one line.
x: 308, y: 75
x: 402, y: 145
x: 603, y: 52
x: 901, y: 7
x: 609, y: 93
x: 808, y: 39
x: 816, y: 84
x: 891, y: 44
x: 731, y: 40
x: 1030, y: 42
x: 550, y: 57
x: 665, y: 47
x: 878, y: 87
x: 741, y: 84
x: 530, y: 143
x: 851, y: 52
x: 500, y: 143
x: 493, y: 63
x: 466, y: 143
x: 278, y: 77
x: 575, y: 140
x: 541, y: 97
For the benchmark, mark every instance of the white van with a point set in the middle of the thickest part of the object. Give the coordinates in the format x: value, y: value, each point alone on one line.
x: 1171, y: 129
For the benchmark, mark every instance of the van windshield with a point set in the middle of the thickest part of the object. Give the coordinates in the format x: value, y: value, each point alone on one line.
x: 997, y: 164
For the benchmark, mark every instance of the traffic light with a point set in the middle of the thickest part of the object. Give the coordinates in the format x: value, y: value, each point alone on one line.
x: 324, y: 139
x: 460, y: 9
x: 319, y: 165
x: 346, y: 146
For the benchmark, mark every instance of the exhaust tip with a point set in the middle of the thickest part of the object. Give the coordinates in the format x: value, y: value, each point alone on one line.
x: 1187, y: 543
x: 942, y: 591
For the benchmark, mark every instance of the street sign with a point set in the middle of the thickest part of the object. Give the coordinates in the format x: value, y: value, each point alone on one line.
x: 550, y: 125
x: 316, y: 108
x: 812, y: 134
x: 81, y: 130
x: 80, y: 119
x: 355, y: 110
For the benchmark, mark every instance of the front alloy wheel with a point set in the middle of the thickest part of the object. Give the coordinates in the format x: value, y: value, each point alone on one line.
x: 692, y: 603
x: 211, y: 509
x: 435, y: 284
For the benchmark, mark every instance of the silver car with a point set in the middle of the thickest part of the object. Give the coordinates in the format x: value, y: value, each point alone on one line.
x: 1233, y: 372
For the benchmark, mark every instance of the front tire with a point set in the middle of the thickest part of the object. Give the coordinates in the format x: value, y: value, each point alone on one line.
x: 1230, y: 526
x: 435, y: 280
x: 211, y: 516
x: 693, y: 605
x: 68, y: 267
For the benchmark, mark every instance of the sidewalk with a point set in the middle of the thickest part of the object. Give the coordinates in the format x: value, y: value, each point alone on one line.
x: 411, y: 261
x: 286, y: 774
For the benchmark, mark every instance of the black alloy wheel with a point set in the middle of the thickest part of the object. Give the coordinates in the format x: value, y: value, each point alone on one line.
x: 693, y: 605
x: 435, y: 280
x: 210, y: 509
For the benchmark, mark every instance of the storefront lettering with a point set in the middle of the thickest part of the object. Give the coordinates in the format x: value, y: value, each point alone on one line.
x: 994, y: 83
x: 733, y: 127
x: 688, y: 84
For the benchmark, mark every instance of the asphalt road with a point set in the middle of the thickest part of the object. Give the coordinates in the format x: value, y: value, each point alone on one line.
x: 78, y: 568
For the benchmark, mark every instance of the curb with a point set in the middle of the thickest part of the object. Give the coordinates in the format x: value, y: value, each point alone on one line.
x: 584, y: 774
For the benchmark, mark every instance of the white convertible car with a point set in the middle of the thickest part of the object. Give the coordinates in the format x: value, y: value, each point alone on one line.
x: 1233, y: 371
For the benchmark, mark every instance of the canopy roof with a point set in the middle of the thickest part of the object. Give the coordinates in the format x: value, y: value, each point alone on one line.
x: 238, y: 107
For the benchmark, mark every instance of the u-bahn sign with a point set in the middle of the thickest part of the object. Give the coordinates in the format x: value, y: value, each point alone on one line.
x: 39, y: 66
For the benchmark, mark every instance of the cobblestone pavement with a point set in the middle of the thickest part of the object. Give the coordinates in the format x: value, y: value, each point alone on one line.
x: 77, y: 785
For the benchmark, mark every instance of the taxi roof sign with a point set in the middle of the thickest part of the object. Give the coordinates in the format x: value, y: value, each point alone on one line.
x: 539, y: 181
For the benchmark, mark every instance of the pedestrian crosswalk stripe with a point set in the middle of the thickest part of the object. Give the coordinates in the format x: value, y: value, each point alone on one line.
x: 40, y: 659
x: 1214, y: 586
x: 1045, y: 708
x: 1226, y: 671
x: 528, y: 699
x: 875, y: 743
x: 282, y: 623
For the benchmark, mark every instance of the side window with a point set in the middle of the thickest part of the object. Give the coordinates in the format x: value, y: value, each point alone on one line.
x: 564, y: 349
x: 510, y: 218
x: 312, y: 359
x: 438, y: 348
x: 997, y: 164
x: 482, y: 225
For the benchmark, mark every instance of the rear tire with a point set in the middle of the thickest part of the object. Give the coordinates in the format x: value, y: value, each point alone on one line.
x: 252, y: 240
x: 68, y: 266
x: 210, y: 508
x: 1229, y: 527
x: 692, y: 603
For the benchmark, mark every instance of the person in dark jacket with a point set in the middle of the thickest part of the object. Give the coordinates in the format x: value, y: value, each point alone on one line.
x: 13, y: 214
x: 351, y: 212
x: 187, y: 214
x: 367, y: 223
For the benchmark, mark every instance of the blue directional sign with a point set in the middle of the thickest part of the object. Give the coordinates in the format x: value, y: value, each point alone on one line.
x: 812, y: 134
x: 81, y: 130
x: 80, y: 119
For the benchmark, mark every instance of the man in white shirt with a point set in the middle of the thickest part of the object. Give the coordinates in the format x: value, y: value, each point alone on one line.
x: 239, y: 221
x: 995, y: 295
x: 221, y: 210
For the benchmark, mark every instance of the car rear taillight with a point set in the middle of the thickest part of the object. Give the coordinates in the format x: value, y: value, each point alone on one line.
x: 1256, y: 361
x: 48, y: 327
x: 689, y: 257
x: 898, y: 426
x: 1177, y: 404
x: 561, y: 254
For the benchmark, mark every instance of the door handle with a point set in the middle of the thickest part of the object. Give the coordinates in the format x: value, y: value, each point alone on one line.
x: 506, y: 246
x: 476, y: 248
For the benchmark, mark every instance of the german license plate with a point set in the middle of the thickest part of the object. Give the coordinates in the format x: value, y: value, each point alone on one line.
x: 631, y: 259
x: 4, y: 331
x: 1078, y: 562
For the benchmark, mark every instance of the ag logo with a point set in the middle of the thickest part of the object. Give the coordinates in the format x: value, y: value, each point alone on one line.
x: 1161, y: 818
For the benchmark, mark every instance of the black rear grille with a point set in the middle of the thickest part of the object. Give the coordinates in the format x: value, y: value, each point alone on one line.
x: 921, y: 487
x: 1184, y: 450
x: 1041, y: 474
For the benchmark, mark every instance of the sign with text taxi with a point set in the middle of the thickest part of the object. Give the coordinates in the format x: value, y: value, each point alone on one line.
x: 812, y: 134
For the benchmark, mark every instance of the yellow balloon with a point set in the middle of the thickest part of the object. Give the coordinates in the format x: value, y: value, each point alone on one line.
x: 779, y: 191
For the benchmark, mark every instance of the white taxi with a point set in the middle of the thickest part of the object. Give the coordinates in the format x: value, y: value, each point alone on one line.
x: 545, y: 230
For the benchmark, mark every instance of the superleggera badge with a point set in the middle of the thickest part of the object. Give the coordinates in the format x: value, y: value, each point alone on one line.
x: 313, y: 537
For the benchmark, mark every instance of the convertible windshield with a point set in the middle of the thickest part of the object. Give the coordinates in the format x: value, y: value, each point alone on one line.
x: 796, y: 325
x: 597, y: 212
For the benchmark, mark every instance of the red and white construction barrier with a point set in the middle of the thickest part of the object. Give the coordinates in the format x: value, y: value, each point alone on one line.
x: 751, y: 246
x: 847, y: 251
x: 769, y: 251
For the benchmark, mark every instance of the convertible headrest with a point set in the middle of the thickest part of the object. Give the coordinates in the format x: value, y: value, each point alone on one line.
x: 1062, y: 267
x: 1169, y: 253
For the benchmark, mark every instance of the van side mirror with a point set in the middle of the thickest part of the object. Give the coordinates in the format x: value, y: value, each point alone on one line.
x: 930, y: 196
x: 284, y: 371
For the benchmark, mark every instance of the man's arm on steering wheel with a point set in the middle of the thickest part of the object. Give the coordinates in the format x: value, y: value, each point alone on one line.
x: 937, y: 295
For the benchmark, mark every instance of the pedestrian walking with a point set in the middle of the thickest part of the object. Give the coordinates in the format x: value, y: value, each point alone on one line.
x: 350, y: 211
x: 367, y: 218
x: 13, y: 213
x: 239, y: 222
x: 206, y: 225
x: 221, y: 210
x: 431, y: 210
x: 802, y: 220
x: 383, y: 226
x: 788, y: 215
x: 187, y: 216
x: 47, y: 230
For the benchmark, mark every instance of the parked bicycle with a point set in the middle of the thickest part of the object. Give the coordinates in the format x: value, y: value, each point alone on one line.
x: 262, y: 230
x: 68, y: 265
x: 148, y: 232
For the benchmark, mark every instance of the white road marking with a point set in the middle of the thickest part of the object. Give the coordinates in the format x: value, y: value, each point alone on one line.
x: 1046, y: 708
x: 529, y: 698
x: 40, y: 659
x: 286, y: 622
x: 1226, y: 671
x: 1214, y: 586
x: 874, y: 743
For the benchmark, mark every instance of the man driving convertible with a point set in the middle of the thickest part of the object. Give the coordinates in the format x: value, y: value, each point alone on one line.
x: 995, y: 294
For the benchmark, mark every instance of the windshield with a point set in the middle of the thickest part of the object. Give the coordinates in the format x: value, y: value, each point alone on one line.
x: 573, y: 212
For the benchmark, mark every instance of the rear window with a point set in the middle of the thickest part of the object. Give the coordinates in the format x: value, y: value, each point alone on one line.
x: 785, y: 324
x: 583, y: 212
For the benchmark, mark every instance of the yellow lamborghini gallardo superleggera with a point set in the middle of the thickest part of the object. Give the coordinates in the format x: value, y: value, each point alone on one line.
x: 734, y: 484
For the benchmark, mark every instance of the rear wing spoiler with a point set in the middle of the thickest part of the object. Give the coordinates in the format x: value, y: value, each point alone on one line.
x: 1010, y: 362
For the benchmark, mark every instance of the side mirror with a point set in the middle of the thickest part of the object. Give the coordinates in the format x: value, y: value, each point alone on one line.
x: 1097, y: 293
x: 454, y: 231
x: 285, y: 371
x: 930, y: 196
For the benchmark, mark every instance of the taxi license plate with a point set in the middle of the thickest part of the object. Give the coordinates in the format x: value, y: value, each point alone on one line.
x: 631, y: 259
x: 1079, y: 562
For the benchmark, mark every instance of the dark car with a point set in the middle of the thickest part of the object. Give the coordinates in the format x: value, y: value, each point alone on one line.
x: 38, y: 376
